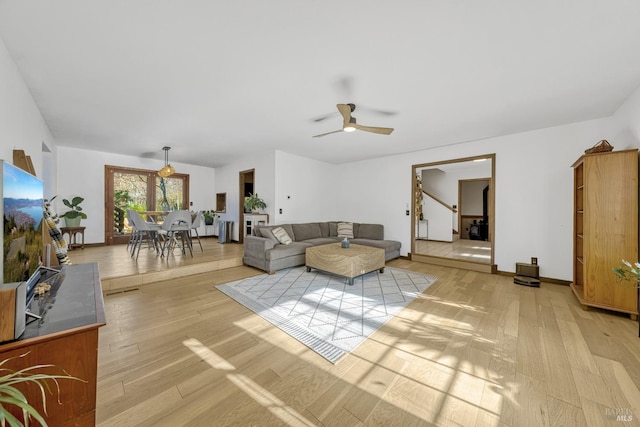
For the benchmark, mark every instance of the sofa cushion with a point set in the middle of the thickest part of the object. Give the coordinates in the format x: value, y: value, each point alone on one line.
x: 322, y: 241
x: 287, y: 228
x: 387, y: 245
x: 282, y: 236
x: 306, y: 231
x: 283, y: 251
x: 267, y: 233
x: 370, y: 231
x: 324, y: 229
x: 333, y: 229
x: 345, y: 229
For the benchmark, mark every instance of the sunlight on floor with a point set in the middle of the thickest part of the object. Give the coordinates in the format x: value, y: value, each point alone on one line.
x: 486, y: 257
x: 262, y: 396
x: 451, y: 384
x: 207, y: 355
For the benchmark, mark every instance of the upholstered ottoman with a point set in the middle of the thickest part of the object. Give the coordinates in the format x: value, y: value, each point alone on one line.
x: 350, y: 262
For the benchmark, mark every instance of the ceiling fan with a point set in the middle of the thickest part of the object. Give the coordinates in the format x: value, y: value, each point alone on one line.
x: 350, y: 124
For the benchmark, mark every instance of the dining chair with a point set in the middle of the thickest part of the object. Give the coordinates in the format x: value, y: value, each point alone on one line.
x: 195, y: 223
x: 132, y: 230
x: 143, y: 232
x: 177, y: 225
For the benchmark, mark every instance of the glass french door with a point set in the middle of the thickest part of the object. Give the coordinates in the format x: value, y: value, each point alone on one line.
x: 141, y: 190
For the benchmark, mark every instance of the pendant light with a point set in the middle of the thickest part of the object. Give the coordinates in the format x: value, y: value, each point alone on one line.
x: 167, y: 170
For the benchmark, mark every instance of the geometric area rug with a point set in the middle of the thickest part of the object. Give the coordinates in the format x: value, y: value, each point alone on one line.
x: 322, y: 310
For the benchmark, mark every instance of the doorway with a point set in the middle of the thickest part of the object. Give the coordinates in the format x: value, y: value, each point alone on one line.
x: 473, y: 209
x: 247, y: 185
x: 440, y: 216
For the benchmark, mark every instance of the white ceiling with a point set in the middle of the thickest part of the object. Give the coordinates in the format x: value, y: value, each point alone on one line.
x: 217, y: 80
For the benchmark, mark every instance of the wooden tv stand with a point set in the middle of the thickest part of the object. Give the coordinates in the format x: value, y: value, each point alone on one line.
x: 67, y: 337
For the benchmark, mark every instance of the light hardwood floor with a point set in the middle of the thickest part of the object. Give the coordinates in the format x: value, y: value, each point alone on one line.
x: 473, y: 350
x: 463, y: 249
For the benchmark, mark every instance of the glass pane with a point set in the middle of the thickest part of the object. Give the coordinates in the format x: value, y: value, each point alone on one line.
x: 169, y: 193
x: 130, y: 192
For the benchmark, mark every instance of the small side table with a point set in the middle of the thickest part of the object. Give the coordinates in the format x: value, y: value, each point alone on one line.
x: 73, y: 232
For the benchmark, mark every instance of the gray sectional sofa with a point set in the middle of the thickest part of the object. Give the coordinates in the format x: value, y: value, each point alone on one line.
x: 264, y: 251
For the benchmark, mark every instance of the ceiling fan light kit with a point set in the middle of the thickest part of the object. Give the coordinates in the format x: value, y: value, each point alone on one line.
x: 350, y: 124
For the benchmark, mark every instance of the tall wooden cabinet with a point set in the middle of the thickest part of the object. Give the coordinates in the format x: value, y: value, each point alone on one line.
x: 605, y: 224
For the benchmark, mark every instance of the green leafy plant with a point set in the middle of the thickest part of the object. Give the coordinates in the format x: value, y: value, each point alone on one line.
x: 628, y: 272
x: 75, y: 208
x: 122, y: 199
x: 10, y: 395
x: 253, y: 203
x: 209, y: 216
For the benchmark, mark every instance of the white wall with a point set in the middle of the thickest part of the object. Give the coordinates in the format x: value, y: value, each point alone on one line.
x: 378, y: 191
x: 627, y: 121
x: 81, y: 173
x: 439, y: 220
x: 228, y: 181
x: 21, y: 124
x: 533, y: 192
x: 305, y: 189
x: 442, y: 181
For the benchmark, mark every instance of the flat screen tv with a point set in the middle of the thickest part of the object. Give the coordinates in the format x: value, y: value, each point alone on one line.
x: 21, y: 208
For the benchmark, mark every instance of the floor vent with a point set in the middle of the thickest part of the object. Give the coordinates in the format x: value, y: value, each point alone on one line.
x: 121, y: 291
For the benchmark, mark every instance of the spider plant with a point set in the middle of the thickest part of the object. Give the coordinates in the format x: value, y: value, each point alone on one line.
x: 11, y: 396
x: 631, y: 273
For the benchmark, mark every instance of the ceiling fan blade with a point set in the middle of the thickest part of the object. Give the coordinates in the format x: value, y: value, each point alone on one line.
x: 328, y: 133
x: 324, y: 117
x: 377, y: 111
x: 382, y: 131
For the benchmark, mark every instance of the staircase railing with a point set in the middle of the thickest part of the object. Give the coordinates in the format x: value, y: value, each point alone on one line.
x: 439, y: 217
x: 451, y: 208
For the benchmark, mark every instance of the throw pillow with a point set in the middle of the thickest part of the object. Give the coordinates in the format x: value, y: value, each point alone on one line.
x: 282, y: 235
x: 345, y: 229
x: 268, y: 233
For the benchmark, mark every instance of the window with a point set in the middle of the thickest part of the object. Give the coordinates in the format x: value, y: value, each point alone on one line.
x: 141, y: 190
x: 221, y: 202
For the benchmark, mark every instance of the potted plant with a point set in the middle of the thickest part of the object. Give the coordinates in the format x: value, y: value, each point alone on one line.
x: 630, y: 273
x: 209, y: 216
x: 253, y: 203
x: 10, y: 395
x: 73, y: 216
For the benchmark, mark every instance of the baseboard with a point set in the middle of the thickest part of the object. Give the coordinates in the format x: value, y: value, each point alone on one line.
x: 542, y: 279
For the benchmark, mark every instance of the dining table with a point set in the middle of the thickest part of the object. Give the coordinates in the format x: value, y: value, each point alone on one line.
x: 154, y: 216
